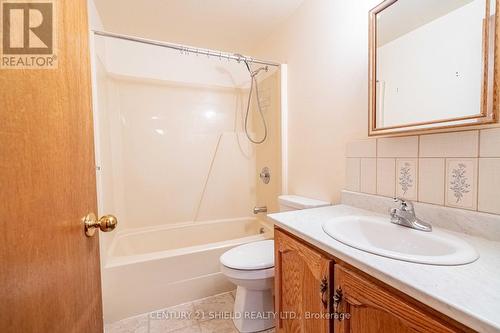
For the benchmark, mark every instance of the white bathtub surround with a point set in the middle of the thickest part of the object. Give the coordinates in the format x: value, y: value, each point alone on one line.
x: 170, y: 140
x: 469, y: 293
x: 193, y: 317
x: 198, y: 138
x: 141, y: 271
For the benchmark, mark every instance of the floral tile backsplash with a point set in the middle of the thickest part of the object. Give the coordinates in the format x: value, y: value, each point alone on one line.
x: 466, y: 176
x: 406, y: 182
x: 461, y: 183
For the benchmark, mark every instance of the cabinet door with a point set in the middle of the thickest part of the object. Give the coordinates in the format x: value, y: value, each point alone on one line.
x: 302, y: 280
x: 373, y: 309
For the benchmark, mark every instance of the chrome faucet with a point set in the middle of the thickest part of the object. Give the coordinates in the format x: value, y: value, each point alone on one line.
x: 405, y: 216
x: 257, y: 210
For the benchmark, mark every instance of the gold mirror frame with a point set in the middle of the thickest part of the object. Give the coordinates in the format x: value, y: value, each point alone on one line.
x: 489, y: 91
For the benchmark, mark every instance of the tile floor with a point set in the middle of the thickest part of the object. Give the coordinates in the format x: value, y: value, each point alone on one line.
x: 194, y: 317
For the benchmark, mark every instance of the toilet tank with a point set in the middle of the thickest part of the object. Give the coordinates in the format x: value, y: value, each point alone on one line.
x: 295, y: 202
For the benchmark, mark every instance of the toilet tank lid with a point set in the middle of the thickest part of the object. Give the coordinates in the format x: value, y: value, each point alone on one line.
x: 299, y: 202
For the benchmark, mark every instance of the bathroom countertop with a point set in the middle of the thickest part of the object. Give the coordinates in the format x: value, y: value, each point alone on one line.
x: 470, y: 294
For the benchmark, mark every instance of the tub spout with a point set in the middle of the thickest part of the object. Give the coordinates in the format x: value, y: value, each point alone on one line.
x: 257, y: 210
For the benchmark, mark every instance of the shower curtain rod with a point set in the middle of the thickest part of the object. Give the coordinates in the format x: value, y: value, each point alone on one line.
x: 182, y: 48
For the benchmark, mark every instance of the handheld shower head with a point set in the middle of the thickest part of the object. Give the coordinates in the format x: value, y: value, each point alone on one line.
x: 253, y: 83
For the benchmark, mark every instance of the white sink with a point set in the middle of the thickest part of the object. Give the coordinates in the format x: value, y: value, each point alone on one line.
x: 379, y: 236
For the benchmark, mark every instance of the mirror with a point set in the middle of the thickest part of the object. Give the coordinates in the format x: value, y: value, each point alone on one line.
x: 432, y: 64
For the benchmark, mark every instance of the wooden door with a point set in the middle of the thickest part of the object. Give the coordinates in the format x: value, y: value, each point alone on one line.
x: 49, y: 275
x: 373, y: 309
x: 302, y: 293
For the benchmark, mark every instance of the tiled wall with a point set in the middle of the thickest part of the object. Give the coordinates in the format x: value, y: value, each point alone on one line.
x: 460, y: 169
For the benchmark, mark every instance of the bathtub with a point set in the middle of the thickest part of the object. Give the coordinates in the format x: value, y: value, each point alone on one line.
x: 149, y: 269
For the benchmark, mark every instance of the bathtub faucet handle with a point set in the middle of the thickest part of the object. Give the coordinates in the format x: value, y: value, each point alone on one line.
x: 257, y: 210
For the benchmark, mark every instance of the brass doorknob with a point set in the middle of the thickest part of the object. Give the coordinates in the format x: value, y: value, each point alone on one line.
x: 106, y: 223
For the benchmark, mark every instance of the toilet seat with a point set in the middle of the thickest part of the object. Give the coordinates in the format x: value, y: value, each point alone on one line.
x: 239, y: 274
x: 250, y: 257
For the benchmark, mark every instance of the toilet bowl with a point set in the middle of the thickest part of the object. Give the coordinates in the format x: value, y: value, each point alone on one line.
x: 251, y: 268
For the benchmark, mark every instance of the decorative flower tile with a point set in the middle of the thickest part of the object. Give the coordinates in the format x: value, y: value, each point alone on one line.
x: 461, y: 187
x: 406, y: 178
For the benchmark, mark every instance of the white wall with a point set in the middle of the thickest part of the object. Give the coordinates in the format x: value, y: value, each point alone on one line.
x: 229, y: 25
x: 325, y: 44
x: 433, y: 72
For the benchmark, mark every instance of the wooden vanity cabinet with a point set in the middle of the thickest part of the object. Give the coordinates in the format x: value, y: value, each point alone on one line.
x: 302, y: 279
x: 312, y: 286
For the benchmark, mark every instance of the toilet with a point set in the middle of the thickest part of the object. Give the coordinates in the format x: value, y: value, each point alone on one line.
x: 251, y: 268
